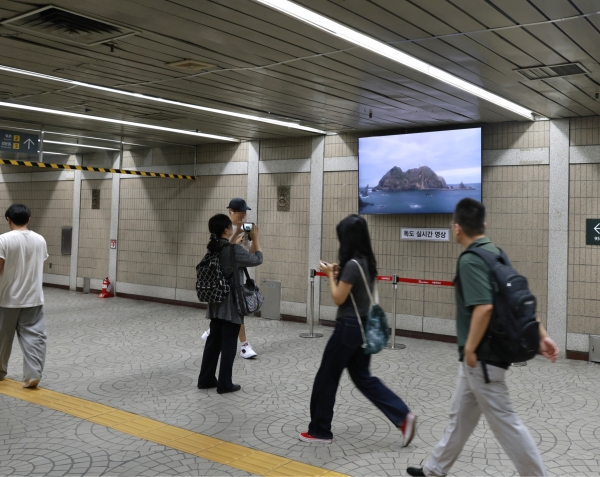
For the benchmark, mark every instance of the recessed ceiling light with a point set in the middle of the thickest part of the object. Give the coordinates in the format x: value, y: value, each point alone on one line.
x: 115, y: 121
x: 144, y: 97
x: 337, y: 29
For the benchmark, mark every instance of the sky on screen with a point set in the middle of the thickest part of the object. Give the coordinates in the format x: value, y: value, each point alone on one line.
x: 454, y: 155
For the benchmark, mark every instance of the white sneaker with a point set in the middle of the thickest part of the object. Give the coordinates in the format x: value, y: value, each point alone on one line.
x: 205, y: 335
x: 246, y: 351
x: 31, y: 383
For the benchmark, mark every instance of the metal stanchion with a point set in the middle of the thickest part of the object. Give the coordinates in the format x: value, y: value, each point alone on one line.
x: 311, y: 307
x: 395, y: 317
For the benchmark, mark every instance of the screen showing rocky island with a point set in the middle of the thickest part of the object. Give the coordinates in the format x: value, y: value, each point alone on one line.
x: 421, y: 173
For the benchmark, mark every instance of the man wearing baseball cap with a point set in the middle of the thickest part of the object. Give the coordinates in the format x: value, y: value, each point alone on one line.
x: 237, y: 213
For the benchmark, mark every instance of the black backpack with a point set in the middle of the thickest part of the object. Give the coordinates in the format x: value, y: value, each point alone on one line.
x: 513, y: 332
x: 211, y: 284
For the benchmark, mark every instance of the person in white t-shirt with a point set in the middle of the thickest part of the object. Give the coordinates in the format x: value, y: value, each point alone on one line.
x: 237, y: 213
x: 22, y: 256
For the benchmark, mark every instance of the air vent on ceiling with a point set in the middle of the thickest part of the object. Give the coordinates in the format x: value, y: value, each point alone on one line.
x: 191, y: 65
x: 62, y: 24
x: 161, y: 116
x: 544, y: 72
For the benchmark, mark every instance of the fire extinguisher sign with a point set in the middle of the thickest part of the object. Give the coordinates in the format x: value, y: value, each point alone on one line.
x: 113, y: 244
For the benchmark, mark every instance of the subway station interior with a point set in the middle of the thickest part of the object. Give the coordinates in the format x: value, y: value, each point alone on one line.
x: 127, y: 124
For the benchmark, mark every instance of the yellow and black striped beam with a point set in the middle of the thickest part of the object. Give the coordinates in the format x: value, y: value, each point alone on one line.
x: 45, y: 165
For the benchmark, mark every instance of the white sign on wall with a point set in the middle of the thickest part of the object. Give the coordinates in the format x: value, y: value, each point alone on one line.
x: 433, y: 235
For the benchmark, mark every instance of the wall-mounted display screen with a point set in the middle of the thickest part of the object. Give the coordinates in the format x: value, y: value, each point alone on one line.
x: 420, y: 173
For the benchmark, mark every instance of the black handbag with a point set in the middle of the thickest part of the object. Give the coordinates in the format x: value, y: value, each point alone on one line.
x: 248, y: 297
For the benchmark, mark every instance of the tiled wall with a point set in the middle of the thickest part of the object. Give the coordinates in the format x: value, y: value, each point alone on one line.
x: 163, y: 227
x: 94, y: 230
x: 341, y: 145
x: 516, y: 199
x: 584, y: 260
x: 516, y: 135
x: 158, y: 156
x: 219, y: 153
x: 51, y: 205
x: 585, y: 131
x: 284, y: 235
x: 198, y: 202
x: 288, y: 148
x: 517, y: 203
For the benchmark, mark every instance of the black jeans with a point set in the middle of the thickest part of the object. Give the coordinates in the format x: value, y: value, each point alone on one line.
x: 222, y: 340
x: 344, y: 350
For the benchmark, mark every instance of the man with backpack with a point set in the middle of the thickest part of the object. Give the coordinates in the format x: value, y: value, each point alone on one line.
x: 492, y: 300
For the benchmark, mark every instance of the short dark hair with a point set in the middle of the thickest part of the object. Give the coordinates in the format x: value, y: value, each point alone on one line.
x: 18, y: 214
x: 470, y: 215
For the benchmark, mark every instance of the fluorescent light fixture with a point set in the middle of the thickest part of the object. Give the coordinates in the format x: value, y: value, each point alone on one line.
x: 115, y: 121
x: 56, y: 153
x: 80, y: 145
x: 53, y: 133
x: 249, y: 117
x: 337, y: 29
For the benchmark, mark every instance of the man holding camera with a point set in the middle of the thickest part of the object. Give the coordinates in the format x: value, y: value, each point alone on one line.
x: 237, y: 213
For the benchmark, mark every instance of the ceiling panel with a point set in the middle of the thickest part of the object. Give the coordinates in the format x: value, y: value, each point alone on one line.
x: 275, y: 66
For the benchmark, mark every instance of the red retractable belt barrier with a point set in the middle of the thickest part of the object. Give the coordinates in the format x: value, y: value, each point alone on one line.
x: 415, y: 281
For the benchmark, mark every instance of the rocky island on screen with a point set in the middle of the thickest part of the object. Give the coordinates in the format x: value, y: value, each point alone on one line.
x: 419, y: 173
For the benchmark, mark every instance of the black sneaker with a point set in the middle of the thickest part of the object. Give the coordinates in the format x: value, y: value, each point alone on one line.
x: 236, y: 387
x: 415, y: 471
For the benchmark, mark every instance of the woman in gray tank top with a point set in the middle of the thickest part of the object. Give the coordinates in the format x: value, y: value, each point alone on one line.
x: 344, y: 349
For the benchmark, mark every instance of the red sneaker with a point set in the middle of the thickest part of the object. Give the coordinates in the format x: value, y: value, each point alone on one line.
x: 306, y: 437
x: 409, y: 429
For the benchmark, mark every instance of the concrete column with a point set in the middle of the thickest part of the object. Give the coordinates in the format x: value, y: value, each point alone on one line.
x: 253, y: 173
x: 558, y: 236
x: 114, y: 222
x: 75, y: 236
x: 252, y: 194
x: 315, y: 231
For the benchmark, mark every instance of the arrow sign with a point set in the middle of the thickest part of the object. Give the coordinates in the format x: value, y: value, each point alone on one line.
x: 592, y: 232
x: 16, y: 141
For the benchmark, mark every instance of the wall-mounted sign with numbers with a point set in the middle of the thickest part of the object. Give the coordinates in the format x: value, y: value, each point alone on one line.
x: 18, y: 142
x: 433, y: 235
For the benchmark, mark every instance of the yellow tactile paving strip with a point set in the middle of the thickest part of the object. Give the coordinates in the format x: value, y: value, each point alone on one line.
x: 216, y: 450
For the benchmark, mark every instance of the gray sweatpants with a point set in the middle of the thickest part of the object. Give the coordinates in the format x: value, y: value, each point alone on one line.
x: 471, y: 398
x: 31, y: 331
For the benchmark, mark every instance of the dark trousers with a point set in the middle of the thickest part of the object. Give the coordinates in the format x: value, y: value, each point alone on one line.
x: 222, y: 340
x: 344, y: 350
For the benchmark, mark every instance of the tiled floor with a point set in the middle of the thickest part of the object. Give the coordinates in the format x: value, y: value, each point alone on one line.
x: 144, y: 358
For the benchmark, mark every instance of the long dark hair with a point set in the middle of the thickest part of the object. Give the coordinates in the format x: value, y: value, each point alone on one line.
x: 355, y: 242
x: 217, y: 225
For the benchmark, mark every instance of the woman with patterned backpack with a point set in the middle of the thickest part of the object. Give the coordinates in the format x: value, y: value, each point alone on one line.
x: 351, y: 285
x: 225, y: 317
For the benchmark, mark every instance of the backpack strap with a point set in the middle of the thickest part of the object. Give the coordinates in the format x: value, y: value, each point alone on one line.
x: 371, y: 298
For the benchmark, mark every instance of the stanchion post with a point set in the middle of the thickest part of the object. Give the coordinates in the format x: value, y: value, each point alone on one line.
x: 394, y: 315
x: 311, y: 308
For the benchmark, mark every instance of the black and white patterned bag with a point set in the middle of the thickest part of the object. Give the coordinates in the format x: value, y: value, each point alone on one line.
x: 211, y: 284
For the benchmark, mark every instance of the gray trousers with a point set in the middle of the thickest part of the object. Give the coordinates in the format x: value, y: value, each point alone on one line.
x: 29, y: 325
x: 471, y: 398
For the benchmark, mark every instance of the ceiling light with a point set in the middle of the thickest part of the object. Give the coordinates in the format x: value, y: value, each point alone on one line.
x: 250, y: 117
x: 376, y: 46
x: 115, y: 121
x: 80, y: 145
x: 56, y: 153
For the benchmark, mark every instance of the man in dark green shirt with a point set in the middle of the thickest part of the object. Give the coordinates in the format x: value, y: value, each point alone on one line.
x: 472, y: 397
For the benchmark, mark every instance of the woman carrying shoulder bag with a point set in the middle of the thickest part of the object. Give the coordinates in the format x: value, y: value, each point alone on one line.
x: 225, y: 318
x: 345, y: 347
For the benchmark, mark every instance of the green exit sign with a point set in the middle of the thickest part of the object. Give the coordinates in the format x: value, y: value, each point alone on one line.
x: 592, y: 232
